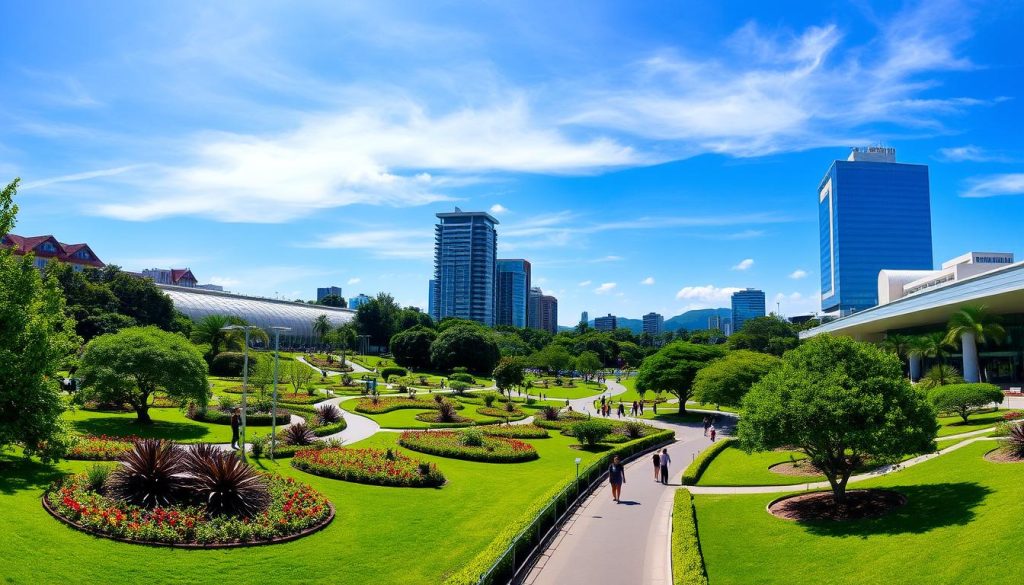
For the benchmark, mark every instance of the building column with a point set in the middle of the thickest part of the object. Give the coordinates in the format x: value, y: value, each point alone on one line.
x: 915, y: 367
x: 970, y: 352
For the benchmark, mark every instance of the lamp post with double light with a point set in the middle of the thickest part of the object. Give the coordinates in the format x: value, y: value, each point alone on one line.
x: 245, y: 378
x: 273, y: 405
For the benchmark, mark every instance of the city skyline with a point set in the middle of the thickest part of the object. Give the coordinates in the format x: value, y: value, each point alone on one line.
x: 275, y: 169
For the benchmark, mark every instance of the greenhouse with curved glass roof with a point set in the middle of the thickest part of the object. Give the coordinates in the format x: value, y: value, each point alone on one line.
x: 264, y: 313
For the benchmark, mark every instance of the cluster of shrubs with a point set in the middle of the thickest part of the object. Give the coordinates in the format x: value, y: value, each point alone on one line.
x: 387, y: 404
x: 371, y: 466
x: 254, y: 417
x: 392, y: 371
x: 163, y: 492
x: 471, y: 445
x: 302, y: 435
x: 515, y: 431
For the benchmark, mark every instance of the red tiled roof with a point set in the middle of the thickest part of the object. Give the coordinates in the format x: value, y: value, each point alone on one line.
x: 178, y: 273
x: 64, y: 252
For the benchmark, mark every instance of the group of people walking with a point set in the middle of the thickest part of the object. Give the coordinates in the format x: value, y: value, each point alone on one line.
x: 637, y: 409
x: 617, y: 472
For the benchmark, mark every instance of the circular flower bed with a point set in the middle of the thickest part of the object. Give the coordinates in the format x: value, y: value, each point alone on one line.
x: 382, y: 405
x: 372, y: 466
x: 295, y: 510
x: 252, y: 419
x: 100, y: 448
x: 1003, y: 455
x: 455, y: 420
x: 860, y: 504
x: 470, y: 445
x: 502, y: 413
x: 515, y: 431
x: 287, y: 397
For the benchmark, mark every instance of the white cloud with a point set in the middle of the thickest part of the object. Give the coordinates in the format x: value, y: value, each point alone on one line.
x: 970, y: 153
x: 381, y: 243
x: 605, y: 288
x: 609, y: 258
x: 585, y: 283
x: 996, y: 185
x: 224, y: 281
x: 744, y: 264
x: 707, y: 296
x: 648, y: 281
x: 77, y: 177
x: 798, y: 274
x: 498, y: 209
x: 354, y: 280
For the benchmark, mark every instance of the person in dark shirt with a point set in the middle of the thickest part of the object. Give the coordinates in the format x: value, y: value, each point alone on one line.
x: 616, y: 477
x: 236, y: 420
x: 657, y: 465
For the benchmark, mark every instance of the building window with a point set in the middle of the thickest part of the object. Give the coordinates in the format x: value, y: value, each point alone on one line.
x: 47, y: 247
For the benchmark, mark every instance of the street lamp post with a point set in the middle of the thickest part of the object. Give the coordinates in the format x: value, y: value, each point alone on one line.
x: 578, y: 460
x: 273, y: 407
x: 245, y: 379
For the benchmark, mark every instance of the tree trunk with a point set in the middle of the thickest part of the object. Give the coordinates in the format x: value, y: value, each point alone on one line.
x: 682, y: 403
x: 142, y: 411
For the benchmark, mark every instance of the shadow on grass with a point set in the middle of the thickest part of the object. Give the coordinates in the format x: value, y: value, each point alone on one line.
x: 114, y: 426
x: 18, y: 474
x: 928, y: 507
x: 592, y: 448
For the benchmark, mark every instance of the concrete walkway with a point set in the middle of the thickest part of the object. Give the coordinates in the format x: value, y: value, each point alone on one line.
x: 627, y: 542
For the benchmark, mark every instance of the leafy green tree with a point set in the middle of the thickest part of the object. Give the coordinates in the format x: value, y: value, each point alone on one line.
x: 727, y: 380
x: 333, y: 301
x: 554, y: 358
x: 136, y: 364
x: 511, y: 345
x: 378, y: 318
x: 588, y: 364
x: 470, y: 346
x: 970, y: 326
x: 139, y: 298
x: 411, y: 348
x: 35, y: 335
x: 631, y: 354
x: 298, y: 374
x: 964, y: 399
x: 708, y: 337
x: 410, y: 317
x: 508, y: 374
x: 673, y: 368
x: 840, y: 401
x: 765, y: 335
x: 321, y: 327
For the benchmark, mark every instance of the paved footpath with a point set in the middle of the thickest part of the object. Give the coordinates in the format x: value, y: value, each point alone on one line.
x: 627, y: 542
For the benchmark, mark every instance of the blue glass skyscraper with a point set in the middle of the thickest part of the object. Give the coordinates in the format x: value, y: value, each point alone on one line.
x: 873, y: 214
x: 513, y: 292
x: 465, y: 259
x: 746, y: 304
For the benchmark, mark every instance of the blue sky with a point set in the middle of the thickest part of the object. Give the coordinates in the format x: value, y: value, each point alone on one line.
x: 643, y: 155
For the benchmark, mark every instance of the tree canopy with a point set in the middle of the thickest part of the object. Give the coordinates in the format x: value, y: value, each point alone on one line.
x: 411, y: 348
x: 470, y: 346
x: 378, y: 318
x: 35, y: 335
x: 840, y: 401
x: 964, y: 399
x: 727, y: 380
x: 673, y: 368
x: 133, y: 365
x: 333, y: 301
x: 765, y: 335
x: 508, y: 374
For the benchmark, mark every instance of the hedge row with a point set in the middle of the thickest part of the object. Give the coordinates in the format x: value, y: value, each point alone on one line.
x: 525, y: 532
x: 252, y: 420
x: 694, y: 471
x: 687, y: 560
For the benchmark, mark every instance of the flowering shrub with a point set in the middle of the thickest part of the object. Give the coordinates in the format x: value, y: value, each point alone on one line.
x: 372, y: 466
x: 100, y: 448
x: 452, y: 444
x: 387, y: 404
x: 515, y: 431
x: 502, y: 413
x: 564, y: 420
x: 1013, y: 415
x: 440, y: 420
x: 294, y: 507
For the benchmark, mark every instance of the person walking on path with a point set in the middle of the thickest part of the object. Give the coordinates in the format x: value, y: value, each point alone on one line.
x: 665, y: 461
x: 657, y: 465
x: 622, y: 410
x: 707, y: 423
x: 713, y: 433
x: 236, y: 419
x: 655, y: 407
x: 641, y: 406
x: 616, y: 477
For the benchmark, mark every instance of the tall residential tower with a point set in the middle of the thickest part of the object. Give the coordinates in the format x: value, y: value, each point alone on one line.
x: 465, y: 259
x: 513, y: 293
x: 746, y: 305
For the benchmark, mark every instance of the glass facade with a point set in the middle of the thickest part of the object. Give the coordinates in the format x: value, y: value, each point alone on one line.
x: 513, y: 293
x: 465, y: 258
x: 746, y: 304
x: 264, y: 313
x: 871, y: 216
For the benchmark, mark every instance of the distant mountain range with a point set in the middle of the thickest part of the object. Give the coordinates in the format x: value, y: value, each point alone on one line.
x: 690, y: 320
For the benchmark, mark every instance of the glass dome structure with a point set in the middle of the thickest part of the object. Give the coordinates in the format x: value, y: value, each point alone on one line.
x: 264, y: 313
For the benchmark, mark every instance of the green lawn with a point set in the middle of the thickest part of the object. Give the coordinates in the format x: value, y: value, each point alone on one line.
x: 733, y: 467
x: 954, y: 425
x: 380, y: 534
x: 405, y: 418
x: 960, y: 526
x: 580, y: 390
x: 168, y: 423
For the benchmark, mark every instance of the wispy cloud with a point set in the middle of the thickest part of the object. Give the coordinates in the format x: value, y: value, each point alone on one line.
x: 354, y: 280
x: 798, y: 274
x: 605, y: 288
x: 225, y: 281
x: 648, y: 281
x: 585, y: 283
x: 380, y: 243
x: 744, y: 264
x: 970, y: 153
x: 84, y: 176
x: 498, y: 209
x: 707, y: 296
x: 995, y: 185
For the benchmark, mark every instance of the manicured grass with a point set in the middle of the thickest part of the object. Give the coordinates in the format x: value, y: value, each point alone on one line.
x: 168, y: 423
x: 733, y: 467
x: 954, y: 425
x: 406, y: 418
x: 380, y: 535
x: 955, y: 528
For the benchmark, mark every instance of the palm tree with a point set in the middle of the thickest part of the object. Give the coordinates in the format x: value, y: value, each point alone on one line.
x: 898, y: 344
x: 321, y: 326
x: 972, y: 325
x: 211, y: 330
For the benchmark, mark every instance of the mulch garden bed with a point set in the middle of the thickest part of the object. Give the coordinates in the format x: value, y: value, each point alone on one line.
x: 1000, y: 455
x: 860, y: 504
x: 798, y: 468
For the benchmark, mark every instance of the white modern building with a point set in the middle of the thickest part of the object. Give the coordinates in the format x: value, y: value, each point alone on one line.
x: 896, y: 284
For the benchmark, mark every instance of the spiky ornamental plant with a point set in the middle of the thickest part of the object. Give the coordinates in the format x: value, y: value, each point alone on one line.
x: 224, y: 484
x: 328, y: 414
x: 1014, y: 442
x: 299, y: 434
x: 446, y: 412
x: 154, y: 473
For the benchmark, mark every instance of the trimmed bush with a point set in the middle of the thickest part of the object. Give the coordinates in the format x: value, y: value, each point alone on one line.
x: 695, y: 469
x: 464, y: 378
x: 252, y: 419
x: 386, y: 373
x: 964, y: 399
x: 589, y: 432
x: 515, y: 431
x: 687, y: 560
x: 458, y: 387
x: 457, y: 445
x: 370, y: 466
x: 228, y: 363
x: 502, y: 413
x: 387, y: 404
